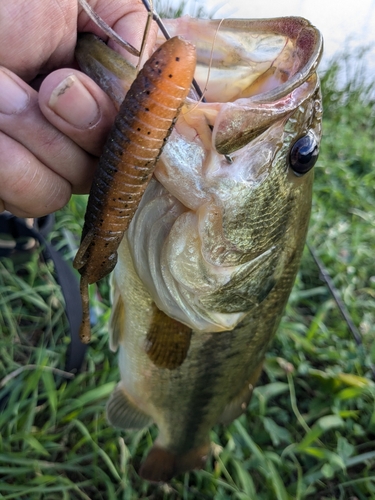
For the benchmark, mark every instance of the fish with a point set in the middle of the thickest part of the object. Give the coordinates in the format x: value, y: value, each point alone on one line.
x: 209, y: 259
x: 142, y: 126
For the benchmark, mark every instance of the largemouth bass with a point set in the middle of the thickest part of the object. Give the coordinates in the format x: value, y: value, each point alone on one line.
x: 210, y: 257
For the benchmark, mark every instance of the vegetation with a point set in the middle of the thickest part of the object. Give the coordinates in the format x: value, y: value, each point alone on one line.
x: 309, y: 431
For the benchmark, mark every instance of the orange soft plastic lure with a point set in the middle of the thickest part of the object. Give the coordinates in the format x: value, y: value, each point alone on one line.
x: 142, y: 126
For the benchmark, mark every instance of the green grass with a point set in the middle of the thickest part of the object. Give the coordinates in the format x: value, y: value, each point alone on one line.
x: 309, y: 431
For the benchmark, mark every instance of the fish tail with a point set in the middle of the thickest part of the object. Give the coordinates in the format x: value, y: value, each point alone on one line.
x: 161, y: 465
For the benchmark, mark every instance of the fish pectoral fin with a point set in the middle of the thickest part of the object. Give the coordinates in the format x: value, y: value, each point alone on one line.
x: 239, y: 403
x: 117, y: 321
x: 161, y: 464
x: 121, y: 412
x: 168, y: 341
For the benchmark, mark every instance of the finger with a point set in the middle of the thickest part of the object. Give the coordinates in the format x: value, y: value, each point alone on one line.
x: 36, y: 37
x: 77, y: 107
x: 27, y: 187
x: 22, y: 120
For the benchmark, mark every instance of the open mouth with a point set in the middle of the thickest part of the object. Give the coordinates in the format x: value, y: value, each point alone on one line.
x: 241, y: 58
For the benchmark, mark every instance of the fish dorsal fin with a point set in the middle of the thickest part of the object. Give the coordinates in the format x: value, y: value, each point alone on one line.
x: 239, y: 403
x: 117, y: 320
x: 121, y: 412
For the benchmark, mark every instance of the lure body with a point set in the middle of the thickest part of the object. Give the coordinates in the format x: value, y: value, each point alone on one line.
x: 141, y: 128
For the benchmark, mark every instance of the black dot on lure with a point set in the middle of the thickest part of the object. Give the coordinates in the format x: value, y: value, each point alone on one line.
x: 303, y: 154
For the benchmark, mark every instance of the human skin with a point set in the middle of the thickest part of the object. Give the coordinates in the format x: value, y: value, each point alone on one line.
x: 50, y: 139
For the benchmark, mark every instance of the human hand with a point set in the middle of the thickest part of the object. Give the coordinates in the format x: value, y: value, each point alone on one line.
x: 50, y: 141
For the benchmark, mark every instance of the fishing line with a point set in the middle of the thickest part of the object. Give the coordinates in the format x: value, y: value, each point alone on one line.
x: 167, y: 36
x: 132, y: 50
x: 202, y: 98
x: 325, y: 276
x: 145, y: 35
x: 157, y: 19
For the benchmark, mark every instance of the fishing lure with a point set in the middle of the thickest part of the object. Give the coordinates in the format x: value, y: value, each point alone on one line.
x: 134, y: 145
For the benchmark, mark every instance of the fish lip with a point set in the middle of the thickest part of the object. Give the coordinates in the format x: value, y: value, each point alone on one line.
x: 301, y: 76
x: 240, y: 124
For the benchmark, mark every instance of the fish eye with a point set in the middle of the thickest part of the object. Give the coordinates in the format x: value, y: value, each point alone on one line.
x: 304, y: 154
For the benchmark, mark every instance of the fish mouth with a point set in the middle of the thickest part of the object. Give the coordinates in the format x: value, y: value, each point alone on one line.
x: 258, y: 64
x: 253, y: 72
x: 261, y: 59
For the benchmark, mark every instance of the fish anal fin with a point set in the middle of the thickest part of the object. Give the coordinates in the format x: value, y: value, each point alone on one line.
x: 122, y: 413
x: 117, y: 320
x: 239, y: 403
x: 161, y: 465
x: 168, y: 341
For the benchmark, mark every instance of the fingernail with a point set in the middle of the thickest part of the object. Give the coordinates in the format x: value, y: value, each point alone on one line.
x: 73, y: 103
x: 13, y: 98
